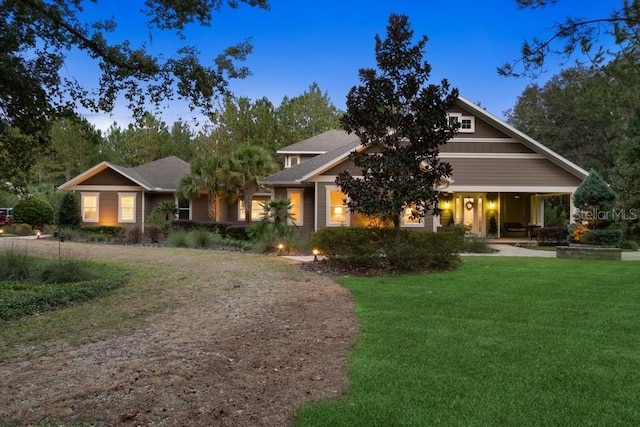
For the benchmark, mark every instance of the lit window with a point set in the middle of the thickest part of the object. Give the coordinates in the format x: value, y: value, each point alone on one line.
x: 89, y: 206
x: 257, y: 210
x: 408, y: 218
x: 126, y: 207
x: 336, y: 208
x: 184, y: 208
x: 295, y: 212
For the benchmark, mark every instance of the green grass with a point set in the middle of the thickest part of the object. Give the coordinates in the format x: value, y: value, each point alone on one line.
x: 500, y: 342
x: 30, y: 285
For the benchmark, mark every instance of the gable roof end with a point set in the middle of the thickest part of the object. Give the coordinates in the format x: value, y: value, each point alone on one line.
x: 161, y: 175
x: 536, y: 146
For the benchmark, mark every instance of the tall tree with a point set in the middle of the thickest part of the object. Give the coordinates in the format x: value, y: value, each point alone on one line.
x: 580, y: 113
x: 598, y: 39
x: 75, y: 145
x: 306, y: 115
x: 248, y: 164
x: 403, y: 121
x: 244, y: 122
x: 37, y: 36
x: 626, y: 176
x: 208, y: 173
x: 146, y: 140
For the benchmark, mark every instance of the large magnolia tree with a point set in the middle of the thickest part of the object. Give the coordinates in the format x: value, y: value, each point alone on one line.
x: 37, y: 36
x: 403, y: 121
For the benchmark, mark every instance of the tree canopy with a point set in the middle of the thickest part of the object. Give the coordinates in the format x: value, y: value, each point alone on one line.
x: 37, y: 37
x: 402, y: 121
x: 596, y: 39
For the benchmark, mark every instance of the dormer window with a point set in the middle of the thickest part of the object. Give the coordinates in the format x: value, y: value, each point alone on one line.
x: 291, y: 161
x: 467, y: 123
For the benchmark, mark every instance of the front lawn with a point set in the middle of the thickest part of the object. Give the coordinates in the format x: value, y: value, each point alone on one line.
x: 31, y: 285
x: 502, y: 341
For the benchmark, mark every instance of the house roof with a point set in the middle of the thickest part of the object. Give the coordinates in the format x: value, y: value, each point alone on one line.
x: 319, y: 144
x: 335, y: 145
x: 305, y: 170
x: 161, y: 175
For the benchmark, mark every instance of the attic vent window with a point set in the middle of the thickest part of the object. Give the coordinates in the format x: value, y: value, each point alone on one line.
x: 467, y: 123
x: 291, y: 161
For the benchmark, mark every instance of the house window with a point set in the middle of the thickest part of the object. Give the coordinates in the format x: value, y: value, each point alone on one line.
x: 336, y: 208
x: 126, y: 207
x: 257, y: 210
x: 407, y: 219
x: 184, y: 208
x: 295, y: 212
x: 467, y: 123
x: 89, y: 203
x: 291, y: 161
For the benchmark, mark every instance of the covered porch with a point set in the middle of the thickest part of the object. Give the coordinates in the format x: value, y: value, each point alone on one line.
x: 516, y: 215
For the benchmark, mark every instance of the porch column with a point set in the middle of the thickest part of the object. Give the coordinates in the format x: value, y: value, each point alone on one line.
x: 572, y: 209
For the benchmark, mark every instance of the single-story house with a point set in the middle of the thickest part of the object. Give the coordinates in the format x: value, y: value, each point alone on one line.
x: 498, y: 172
x: 125, y: 196
x: 500, y: 175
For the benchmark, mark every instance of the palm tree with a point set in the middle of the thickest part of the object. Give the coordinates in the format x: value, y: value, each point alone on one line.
x: 208, y: 173
x: 248, y: 164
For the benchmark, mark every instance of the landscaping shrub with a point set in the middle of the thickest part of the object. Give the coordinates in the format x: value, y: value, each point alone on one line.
x: 380, y: 247
x: 69, y: 211
x: 14, y: 263
x: 33, y: 211
x: 629, y: 245
x: 475, y: 245
x: 237, y: 232
x: 553, y: 236
x: 188, y: 225
x: 109, y: 230
x: 19, y: 229
x: 178, y: 239
x: 21, y: 298
x: 422, y: 250
x: 71, y: 234
x: 154, y: 233
x: 603, y: 237
x: 355, y: 246
x: 201, y: 239
x: 133, y: 235
x: 67, y: 269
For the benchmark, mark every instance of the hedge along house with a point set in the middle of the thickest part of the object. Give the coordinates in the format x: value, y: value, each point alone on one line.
x: 498, y: 172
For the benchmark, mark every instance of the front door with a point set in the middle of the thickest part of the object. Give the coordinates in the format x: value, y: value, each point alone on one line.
x: 470, y: 213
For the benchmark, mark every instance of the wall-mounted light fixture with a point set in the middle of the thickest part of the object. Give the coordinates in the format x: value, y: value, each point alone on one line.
x: 492, y: 205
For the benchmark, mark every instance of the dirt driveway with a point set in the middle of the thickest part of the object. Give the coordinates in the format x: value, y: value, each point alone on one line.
x: 241, y: 341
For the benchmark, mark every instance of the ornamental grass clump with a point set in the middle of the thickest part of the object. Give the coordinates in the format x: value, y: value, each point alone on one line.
x: 15, y: 263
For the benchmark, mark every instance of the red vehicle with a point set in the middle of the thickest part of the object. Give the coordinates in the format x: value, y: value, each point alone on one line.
x: 5, y: 216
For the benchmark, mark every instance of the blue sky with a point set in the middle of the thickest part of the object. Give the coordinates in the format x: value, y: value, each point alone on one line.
x: 298, y: 42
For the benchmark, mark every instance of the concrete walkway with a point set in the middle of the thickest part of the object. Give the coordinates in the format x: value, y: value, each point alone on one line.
x: 503, y: 250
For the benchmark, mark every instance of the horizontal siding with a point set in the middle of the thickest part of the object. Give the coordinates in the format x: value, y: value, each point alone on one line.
x: 199, y: 209
x: 526, y: 172
x: 484, y: 147
x: 108, y: 209
x: 108, y: 177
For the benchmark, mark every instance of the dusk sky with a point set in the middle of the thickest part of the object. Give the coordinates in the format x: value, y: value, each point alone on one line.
x: 299, y: 42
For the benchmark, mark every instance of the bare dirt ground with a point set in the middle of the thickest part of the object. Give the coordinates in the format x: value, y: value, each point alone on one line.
x: 242, y: 341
